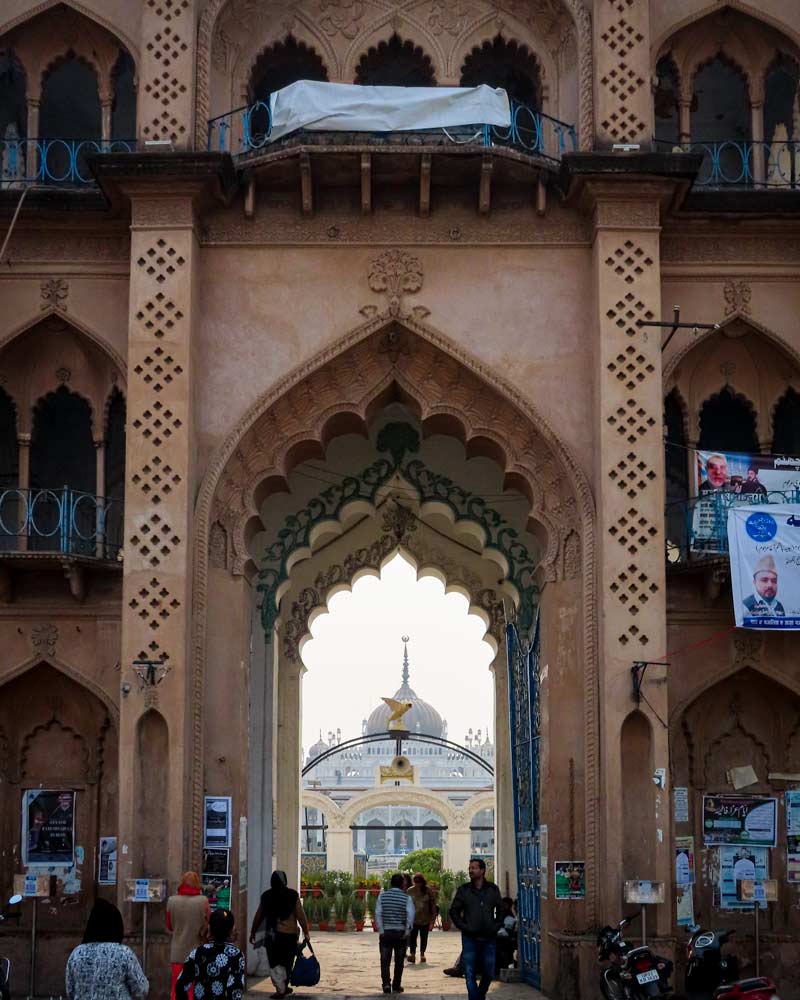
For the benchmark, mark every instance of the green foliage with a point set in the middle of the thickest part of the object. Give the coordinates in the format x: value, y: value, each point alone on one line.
x: 357, y: 908
x: 344, y: 883
x: 461, y: 878
x: 341, y: 906
x: 447, y: 883
x: 372, y: 904
x: 444, y: 908
x: 428, y: 861
x: 328, y: 881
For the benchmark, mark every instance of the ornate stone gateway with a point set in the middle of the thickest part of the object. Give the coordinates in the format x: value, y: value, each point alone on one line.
x: 523, y: 686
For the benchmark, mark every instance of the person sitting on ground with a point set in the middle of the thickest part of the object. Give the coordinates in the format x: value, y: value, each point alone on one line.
x: 216, y: 970
x: 102, y: 967
x: 424, y: 916
x: 281, y: 909
x: 507, y: 936
x: 394, y: 918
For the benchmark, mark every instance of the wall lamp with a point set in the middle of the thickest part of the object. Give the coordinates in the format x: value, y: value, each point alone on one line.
x: 150, y: 672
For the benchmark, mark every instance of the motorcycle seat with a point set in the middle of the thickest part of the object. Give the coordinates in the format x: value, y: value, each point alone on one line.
x: 743, y: 987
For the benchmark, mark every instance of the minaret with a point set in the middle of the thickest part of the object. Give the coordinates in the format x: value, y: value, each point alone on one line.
x: 405, y: 659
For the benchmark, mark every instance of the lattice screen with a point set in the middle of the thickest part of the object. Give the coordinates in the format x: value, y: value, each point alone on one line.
x: 622, y: 60
x: 165, y: 100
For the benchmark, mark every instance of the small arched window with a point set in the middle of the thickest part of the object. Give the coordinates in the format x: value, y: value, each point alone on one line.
x: 70, y: 106
x: 728, y: 423
x: 9, y: 447
x: 281, y: 64
x: 123, y: 110
x: 508, y: 65
x: 665, y: 103
x: 786, y: 425
x: 395, y: 63
x: 13, y: 107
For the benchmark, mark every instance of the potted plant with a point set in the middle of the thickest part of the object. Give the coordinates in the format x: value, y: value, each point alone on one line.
x: 344, y: 883
x: 374, y: 886
x: 304, y: 887
x: 444, y: 913
x: 357, y: 908
x: 372, y: 905
x: 328, y: 882
x: 323, y: 912
x: 341, y: 908
x: 361, y: 888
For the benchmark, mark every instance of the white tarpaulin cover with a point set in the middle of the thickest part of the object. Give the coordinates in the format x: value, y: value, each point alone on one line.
x: 349, y: 107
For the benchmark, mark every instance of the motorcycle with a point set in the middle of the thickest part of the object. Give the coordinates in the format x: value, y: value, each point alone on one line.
x: 5, y: 963
x: 712, y: 975
x: 632, y: 972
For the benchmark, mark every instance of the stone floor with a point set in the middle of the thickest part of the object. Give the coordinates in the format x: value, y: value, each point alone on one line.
x: 350, y: 968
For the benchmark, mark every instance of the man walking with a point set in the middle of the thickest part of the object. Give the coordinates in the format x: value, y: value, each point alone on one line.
x: 477, y: 911
x: 394, y: 915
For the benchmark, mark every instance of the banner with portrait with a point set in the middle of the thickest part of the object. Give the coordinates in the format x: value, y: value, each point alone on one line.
x: 48, y: 826
x: 729, y: 479
x: 764, y: 543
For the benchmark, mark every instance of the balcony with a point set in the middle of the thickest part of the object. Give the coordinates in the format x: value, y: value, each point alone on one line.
x: 53, y: 162
x: 697, y: 529
x: 731, y: 164
x: 246, y: 133
x: 62, y: 522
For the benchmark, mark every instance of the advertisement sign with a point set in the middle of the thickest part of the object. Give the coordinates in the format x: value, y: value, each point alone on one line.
x: 680, y: 805
x: 685, y: 905
x: 217, y: 821
x: 744, y: 819
x: 764, y: 544
x: 793, y: 836
x: 570, y: 879
x: 684, y: 861
x: 48, y: 827
x: 738, y: 864
x: 217, y: 890
x: 107, y: 865
x: 216, y: 861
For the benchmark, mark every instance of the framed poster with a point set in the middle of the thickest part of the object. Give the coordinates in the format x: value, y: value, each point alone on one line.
x: 764, y: 548
x: 570, y: 879
x: 48, y: 826
x: 216, y: 861
x: 684, y: 861
x: 217, y: 889
x: 684, y: 905
x: 738, y: 864
x: 107, y: 861
x: 744, y: 820
x: 217, y: 828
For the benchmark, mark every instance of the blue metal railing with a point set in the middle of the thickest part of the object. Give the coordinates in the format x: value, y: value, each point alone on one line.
x: 745, y: 164
x: 698, y: 527
x: 53, y: 161
x: 248, y: 129
x: 63, y: 521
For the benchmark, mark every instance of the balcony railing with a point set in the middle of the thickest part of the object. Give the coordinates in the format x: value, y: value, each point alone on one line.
x: 734, y: 163
x: 57, y: 162
x: 246, y: 130
x: 63, y: 522
x: 697, y: 529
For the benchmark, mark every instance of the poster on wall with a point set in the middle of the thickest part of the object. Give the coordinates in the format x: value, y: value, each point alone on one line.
x: 793, y: 836
x: 684, y: 905
x: 680, y: 805
x: 543, y: 861
x: 569, y: 878
x: 743, y: 819
x: 735, y: 865
x: 107, y: 861
x: 48, y: 827
x: 764, y: 547
x: 728, y: 479
x: 217, y: 889
x: 684, y: 861
x: 216, y: 861
x: 217, y: 821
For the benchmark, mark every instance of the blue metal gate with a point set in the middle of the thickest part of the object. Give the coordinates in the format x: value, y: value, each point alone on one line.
x: 523, y: 685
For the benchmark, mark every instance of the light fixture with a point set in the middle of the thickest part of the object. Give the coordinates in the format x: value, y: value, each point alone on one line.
x: 150, y: 672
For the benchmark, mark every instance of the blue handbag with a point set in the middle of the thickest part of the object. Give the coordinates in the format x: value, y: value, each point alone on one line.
x: 306, y: 967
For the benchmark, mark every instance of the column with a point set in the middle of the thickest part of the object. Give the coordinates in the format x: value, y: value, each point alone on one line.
x: 630, y: 528
x: 505, y: 851
x: 339, y: 845
x: 685, y: 120
x: 156, y: 604
x: 757, y: 159
x: 100, y: 493
x: 106, y: 104
x: 32, y: 163
x: 166, y: 72
x: 624, y: 103
x: 459, y: 843
x: 23, y: 480
x: 288, y: 768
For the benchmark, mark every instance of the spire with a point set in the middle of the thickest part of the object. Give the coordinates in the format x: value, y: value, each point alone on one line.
x: 405, y: 659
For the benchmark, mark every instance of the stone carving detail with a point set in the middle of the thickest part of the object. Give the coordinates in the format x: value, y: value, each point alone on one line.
x: 166, y: 64
x: 42, y: 731
x: 44, y: 639
x: 54, y: 293
x: 341, y: 17
x: 395, y: 274
x: 737, y: 296
x: 747, y: 650
x: 153, y: 604
x: 449, y: 17
x: 624, y: 62
x: 63, y: 375
x: 218, y: 547
x: 742, y: 746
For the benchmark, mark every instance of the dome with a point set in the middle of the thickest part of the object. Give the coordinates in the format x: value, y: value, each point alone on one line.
x: 317, y: 749
x: 420, y: 718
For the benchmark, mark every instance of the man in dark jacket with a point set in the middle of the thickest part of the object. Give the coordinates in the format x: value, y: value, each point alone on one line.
x: 477, y: 911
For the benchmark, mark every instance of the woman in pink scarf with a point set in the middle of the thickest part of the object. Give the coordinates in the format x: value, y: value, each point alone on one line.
x: 187, y: 921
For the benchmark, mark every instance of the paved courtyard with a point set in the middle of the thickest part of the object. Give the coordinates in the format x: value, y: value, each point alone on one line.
x: 350, y: 968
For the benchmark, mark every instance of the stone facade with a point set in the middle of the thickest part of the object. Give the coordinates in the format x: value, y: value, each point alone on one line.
x: 452, y: 331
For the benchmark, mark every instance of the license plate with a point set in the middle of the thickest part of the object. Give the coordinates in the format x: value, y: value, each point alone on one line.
x: 647, y: 977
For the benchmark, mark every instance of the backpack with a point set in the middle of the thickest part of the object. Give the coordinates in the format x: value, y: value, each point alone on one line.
x: 306, y: 970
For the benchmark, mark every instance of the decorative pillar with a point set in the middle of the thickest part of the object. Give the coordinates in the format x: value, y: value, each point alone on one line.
x: 624, y: 108
x: 287, y: 754
x: 630, y: 521
x: 159, y: 495
x: 339, y: 849
x: 757, y: 162
x: 505, y: 851
x: 166, y: 71
x: 100, y: 493
x: 685, y: 120
x: 32, y: 164
x: 24, y: 480
x: 459, y: 844
x: 106, y: 104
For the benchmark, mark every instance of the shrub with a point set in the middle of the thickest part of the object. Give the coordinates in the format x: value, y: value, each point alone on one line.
x: 357, y: 908
x: 428, y: 861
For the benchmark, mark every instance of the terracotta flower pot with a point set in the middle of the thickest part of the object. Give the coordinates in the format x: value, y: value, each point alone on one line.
x: 340, y: 925
x: 375, y: 890
x: 446, y: 925
x: 317, y: 890
x: 323, y: 925
x: 375, y: 928
x: 360, y: 893
x: 359, y: 925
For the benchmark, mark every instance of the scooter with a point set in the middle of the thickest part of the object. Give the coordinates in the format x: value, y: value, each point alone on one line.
x: 5, y: 963
x: 632, y: 973
x: 712, y: 975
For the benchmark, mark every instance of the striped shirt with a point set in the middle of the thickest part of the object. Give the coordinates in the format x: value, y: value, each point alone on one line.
x: 395, y: 911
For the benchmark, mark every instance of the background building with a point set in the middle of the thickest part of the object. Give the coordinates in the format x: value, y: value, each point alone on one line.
x: 235, y: 375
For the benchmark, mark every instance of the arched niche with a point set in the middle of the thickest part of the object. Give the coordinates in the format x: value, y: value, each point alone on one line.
x: 151, y: 778
x: 505, y: 63
x: 638, y: 797
x: 395, y: 62
x: 282, y: 63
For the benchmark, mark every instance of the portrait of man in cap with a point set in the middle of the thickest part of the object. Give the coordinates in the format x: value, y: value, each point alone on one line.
x: 765, y: 584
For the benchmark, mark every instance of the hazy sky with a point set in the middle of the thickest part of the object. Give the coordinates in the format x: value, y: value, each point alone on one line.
x: 356, y: 655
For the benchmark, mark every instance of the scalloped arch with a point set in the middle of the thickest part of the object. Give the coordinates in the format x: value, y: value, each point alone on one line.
x: 391, y: 796
x: 69, y: 671
x: 408, y: 29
